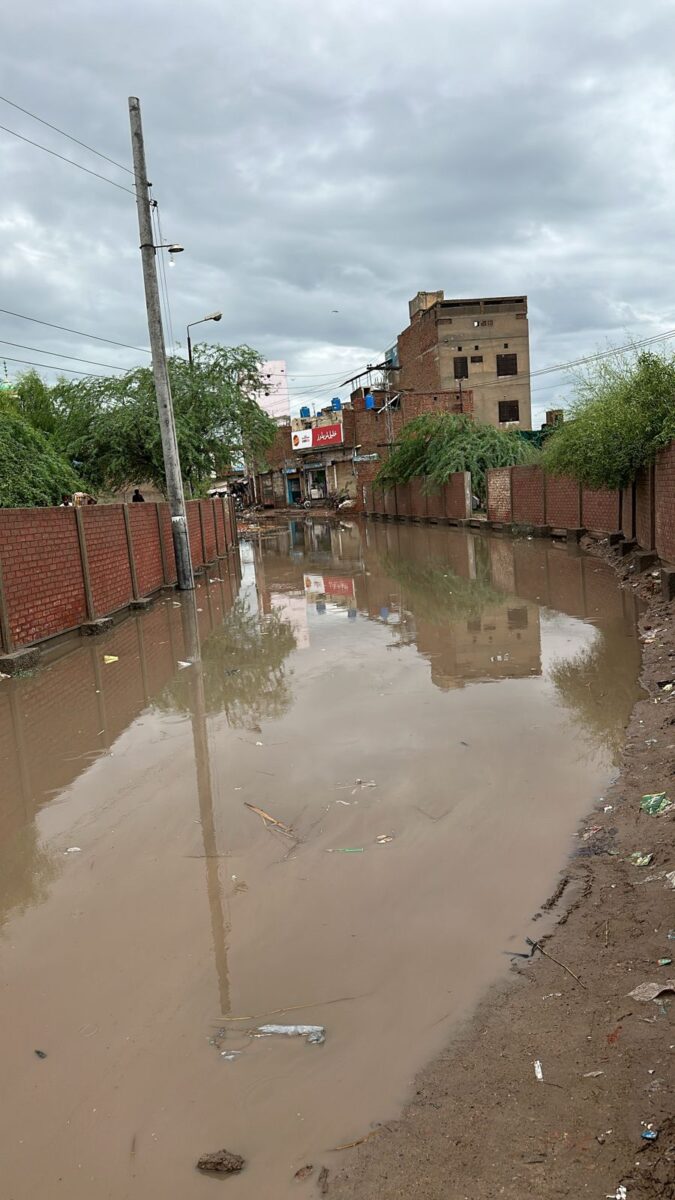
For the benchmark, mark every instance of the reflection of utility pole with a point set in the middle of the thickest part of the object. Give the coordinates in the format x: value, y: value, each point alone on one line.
x: 219, y: 928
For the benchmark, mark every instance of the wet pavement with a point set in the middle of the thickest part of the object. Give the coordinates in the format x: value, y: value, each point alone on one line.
x: 428, y: 713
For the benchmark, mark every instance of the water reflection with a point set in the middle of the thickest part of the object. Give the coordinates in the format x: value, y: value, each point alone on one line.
x: 472, y: 606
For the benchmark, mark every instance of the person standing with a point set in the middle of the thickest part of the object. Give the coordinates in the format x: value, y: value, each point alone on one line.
x: 138, y: 497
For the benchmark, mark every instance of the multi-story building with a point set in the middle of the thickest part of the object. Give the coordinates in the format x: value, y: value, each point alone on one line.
x: 273, y: 396
x: 481, y: 345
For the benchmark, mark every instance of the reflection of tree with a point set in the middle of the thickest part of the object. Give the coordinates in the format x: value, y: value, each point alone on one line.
x: 26, y: 870
x: 243, y: 663
x: 599, y: 686
x: 441, y: 596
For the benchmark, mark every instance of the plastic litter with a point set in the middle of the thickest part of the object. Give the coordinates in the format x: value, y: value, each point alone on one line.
x: 651, y: 991
x: 346, y: 850
x: 671, y: 935
x: 41, y: 1053
x: 315, y: 1035
x: 383, y: 838
x: 230, y: 1055
x: 639, y: 859
x: 621, y: 1193
x: 655, y: 803
x: 73, y: 850
x: 110, y: 658
x: 649, y: 1135
x: 665, y: 962
x: 593, y: 1074
x: 184, y: 664
x: 539, y: 1071
x: 221, y: 1162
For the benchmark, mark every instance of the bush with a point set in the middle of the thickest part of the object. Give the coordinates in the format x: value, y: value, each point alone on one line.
x: 623, y: 412
x: 436, y: 445
x: 31, y: 471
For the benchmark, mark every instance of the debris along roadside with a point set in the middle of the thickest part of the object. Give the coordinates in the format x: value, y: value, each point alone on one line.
x: 606, y: 1056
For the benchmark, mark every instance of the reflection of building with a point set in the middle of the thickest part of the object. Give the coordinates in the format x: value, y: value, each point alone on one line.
x: 294, y: 610
x: 501, y: 642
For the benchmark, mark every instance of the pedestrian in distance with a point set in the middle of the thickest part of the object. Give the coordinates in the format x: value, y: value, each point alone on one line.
x: 66, y: 501
x: 138, y: 497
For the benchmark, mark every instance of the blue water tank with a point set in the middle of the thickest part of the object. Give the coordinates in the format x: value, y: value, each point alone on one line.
x: 370, y: 400
x: 305, y: 412
x: 336, y: 403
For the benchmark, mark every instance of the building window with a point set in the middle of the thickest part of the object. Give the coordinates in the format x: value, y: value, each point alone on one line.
x: 476, y: 324
x: 459, y: 347
x: 476, y: 358
x: 476, y: 347
x: 461, y: 368
x: 507, y: 364
x: 509, y: 410
x: 516, y: 618
x: 506, y: 345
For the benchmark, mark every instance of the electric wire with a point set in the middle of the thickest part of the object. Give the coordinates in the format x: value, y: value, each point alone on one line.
x: 162, y: 274
x: 71, y: 162
x: 48, y: 366
x: 55, y: 354
x: 94, y: 337
x: 63, y: 133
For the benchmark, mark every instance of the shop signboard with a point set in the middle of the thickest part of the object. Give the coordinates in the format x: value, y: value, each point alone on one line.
x: 318, y: 438
x: 329, y: 585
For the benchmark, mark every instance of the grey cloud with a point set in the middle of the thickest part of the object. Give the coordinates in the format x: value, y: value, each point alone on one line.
x: 327, y: 156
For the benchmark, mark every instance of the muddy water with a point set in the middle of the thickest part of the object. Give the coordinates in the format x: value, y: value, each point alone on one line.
x: 480, y: 685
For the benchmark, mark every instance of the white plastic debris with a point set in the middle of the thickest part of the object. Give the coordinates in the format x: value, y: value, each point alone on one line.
x: 593, y: 1074
x: 621, y: 1193
x: 651, y: 991
x: 184, y: 664
x: 73, y: 850
x: 539, y: 1071
x: 315, y: 1034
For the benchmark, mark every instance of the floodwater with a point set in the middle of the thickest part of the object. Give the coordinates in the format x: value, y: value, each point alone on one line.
x: 459, y: 697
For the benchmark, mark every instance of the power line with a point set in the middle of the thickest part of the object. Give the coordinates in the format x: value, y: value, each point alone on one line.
x: 162, y: 272
x: 67, y: 135
x: 28, y: 362
x: 94, y: 337
x: 55, y: 354
x: 70, y: 161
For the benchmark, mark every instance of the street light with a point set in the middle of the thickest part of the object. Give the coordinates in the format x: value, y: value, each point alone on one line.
x: 216, y: 316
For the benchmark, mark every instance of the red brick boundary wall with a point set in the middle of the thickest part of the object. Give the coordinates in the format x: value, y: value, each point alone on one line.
x: 411, y: 501
x: 664, y: 490
x: 644, y: 511
x: 63, y: 567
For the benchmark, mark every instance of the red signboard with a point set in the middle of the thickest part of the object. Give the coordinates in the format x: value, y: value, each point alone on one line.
x: 319, y: 437
x: 338, y: 585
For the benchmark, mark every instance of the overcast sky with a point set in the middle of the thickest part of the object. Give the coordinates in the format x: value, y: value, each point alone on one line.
x: 325, y: 156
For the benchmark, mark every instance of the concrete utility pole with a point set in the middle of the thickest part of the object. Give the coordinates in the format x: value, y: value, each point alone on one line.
x: 174, y: 480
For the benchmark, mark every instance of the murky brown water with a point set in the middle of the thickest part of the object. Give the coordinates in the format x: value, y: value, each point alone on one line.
x: 481, y: 684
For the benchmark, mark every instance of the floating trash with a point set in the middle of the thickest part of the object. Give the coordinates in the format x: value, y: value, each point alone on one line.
x: 315, y: 1035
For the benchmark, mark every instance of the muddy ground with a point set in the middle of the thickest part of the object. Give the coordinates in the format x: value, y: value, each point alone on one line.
x: 481, y: 1124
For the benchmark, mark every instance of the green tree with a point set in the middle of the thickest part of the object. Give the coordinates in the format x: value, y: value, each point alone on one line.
x: 32, y: 472
x: 623, y: 412
x: 108, y: 430
x: 437, y: 444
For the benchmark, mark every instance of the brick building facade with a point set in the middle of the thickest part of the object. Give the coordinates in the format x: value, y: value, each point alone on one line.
x: 482, y: 346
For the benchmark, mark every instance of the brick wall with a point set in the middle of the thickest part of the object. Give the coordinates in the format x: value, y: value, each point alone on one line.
x: 600, y: 510
x: 208, y: 529
x: 42, y: 576
x: 645, y: 514
x: 527, y: 495
x: 458, y: 496
x: 195, y: 533
x: 664, y: 474
x: 563, y: 502
x: 499, y: 494
x: 403, y: 500
x: 418, y: 353
x: 108, y: 556
x: 147, y: 554
x: 390, y: 502
x: 418, y: 498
